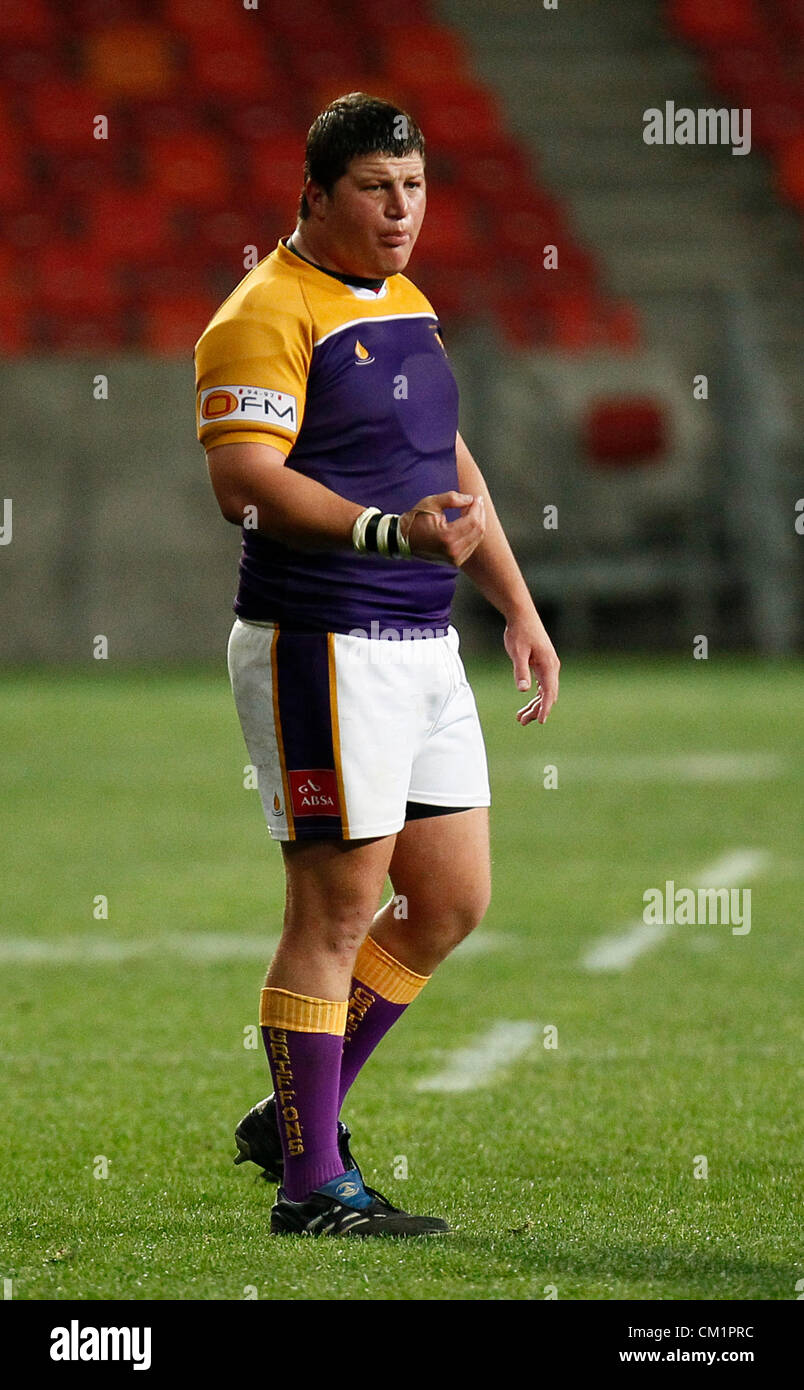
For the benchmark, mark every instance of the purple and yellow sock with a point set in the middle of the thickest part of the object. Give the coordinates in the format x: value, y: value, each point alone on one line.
x: 382, y: 988
x: 304, y: 1040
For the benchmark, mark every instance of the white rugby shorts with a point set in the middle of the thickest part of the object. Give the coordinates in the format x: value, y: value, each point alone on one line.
x: 344, y: 731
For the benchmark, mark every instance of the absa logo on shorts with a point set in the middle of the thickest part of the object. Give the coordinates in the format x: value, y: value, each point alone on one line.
x: 314, y: 792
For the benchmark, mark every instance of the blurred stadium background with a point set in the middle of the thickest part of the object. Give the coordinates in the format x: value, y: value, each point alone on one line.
x: 675, y: 515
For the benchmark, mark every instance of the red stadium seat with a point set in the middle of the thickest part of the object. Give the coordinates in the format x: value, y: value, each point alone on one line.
x: 419, y: 55
x: 299, y: 24
x: 31, y: 226
x: 791, y: 172
x: 21, y: 68
x: 739, y: 71
x: 528, y: 226
x: 86, y: 15
x: 776, y: 120
x: 449, y: 236
x: 83, y: 334
x: 15, y: 186
x: 624, y: 432
x: 134, y: 60
x: 622, y: 329
x: 276, y: 168
x: 235, y: 67
x: 447, y: 116
x: 62, y: 114
x: 72, y: 177
x: 274, y: 118
x: 379, y: 15
x: 194, y: 169
x: 68, y: 279
x: 336, y: 57
x: 790, y: 19
x: 167, y: 115
x: 174, y: 323
x: 27, y: 25
x: 718, y: 23
x: 522, y: 323
x: 15, y: 324
x: 502, y: 172
x: 205, y: 18
x: 129, y: 225
x: 220, y: 237
x: 576, y: 270
x: 576, y: 320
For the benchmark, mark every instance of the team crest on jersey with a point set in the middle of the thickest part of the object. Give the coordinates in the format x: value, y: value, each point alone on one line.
x: 314, y: 792
x: 256, y: 404
x: 362, y: 354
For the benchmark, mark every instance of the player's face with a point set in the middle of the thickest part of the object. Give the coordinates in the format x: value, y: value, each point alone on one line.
x: 374, y: 214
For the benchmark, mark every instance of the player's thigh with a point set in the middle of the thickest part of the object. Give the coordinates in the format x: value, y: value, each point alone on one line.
x: 442, y: 866
x: 335, y: 882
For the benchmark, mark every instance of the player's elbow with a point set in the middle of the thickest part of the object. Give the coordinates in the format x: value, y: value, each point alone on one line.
x: 234, y: 509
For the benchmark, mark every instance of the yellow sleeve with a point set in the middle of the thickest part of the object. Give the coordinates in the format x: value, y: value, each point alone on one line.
x: 251, y: 367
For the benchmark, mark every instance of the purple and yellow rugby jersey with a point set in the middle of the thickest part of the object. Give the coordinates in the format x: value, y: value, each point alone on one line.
x: 353, y: 385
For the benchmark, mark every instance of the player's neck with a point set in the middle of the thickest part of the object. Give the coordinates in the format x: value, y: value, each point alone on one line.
x: 315, y: 254
x: 297, y: 243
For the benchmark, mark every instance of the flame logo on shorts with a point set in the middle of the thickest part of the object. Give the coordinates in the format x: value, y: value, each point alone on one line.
x: 277, y: 805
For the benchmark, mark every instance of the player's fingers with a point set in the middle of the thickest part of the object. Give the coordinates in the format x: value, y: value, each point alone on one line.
x: 471, y: 523
x: 521, y: 668
x: 440, y: 501
x: 530, y: 711
x: 548, y: 687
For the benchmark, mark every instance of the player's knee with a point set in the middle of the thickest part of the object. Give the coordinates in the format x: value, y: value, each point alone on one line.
x: 341, y: 940
x: 470, y: 910
x: 335, y: 929
x: 453, y: 921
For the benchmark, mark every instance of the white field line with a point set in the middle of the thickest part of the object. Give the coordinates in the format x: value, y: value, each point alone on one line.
x: 646, y: 767
x: 619, y: 951
x: 476, y: 1065
x: 89, y: 949
x: 98, y: 950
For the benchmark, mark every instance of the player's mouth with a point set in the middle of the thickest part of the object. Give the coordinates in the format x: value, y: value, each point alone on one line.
x: 395, y: 238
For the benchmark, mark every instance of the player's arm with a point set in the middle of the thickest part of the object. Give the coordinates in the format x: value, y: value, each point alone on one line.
x: 307, y: 515
x: 494, y: 571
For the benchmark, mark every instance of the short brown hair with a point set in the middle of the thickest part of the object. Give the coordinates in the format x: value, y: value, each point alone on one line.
x: 350, y: 127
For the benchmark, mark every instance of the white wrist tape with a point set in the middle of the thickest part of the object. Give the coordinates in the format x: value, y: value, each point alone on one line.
x: 359, y: 528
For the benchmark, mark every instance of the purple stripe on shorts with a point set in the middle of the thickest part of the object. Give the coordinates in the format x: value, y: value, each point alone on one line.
x: 302, y: 668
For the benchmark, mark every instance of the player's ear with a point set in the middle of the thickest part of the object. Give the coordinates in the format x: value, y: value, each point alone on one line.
x: 316, y: 196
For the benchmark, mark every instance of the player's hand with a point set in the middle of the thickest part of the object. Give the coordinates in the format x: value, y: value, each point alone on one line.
x: 432, y: 537
x: 531, y: 650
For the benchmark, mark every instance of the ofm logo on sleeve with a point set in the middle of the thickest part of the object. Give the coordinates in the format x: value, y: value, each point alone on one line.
x: 253, y: 403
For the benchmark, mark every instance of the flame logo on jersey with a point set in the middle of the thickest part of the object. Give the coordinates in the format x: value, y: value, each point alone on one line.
x: 362, y: 354
x: 277, y: 805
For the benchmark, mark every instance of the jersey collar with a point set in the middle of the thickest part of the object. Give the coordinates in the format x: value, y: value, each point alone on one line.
x: 360, y: 287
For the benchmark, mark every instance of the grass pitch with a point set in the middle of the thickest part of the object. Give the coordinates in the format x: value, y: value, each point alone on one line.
x: 568, y: 1173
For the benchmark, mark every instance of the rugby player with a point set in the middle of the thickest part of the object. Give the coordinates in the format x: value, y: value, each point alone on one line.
x: 329, y: 415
